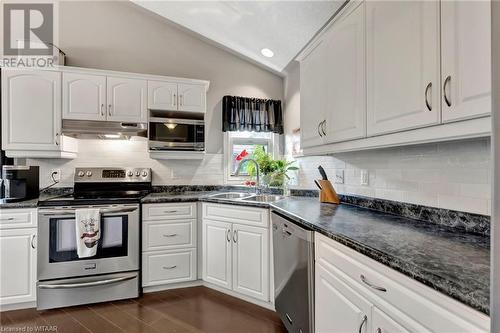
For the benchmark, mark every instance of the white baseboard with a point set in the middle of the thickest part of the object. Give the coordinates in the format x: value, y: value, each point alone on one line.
x: 17, y: 306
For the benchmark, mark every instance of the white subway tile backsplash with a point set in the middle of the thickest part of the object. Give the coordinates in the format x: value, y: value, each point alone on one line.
x: 452, y: 175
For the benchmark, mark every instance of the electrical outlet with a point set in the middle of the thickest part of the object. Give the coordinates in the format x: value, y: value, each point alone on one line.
x: 339, y: 176
x: 55, y: 175
x: 364, y: 177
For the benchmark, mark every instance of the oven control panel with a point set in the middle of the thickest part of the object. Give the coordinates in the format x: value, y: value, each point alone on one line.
x: 112, y: 175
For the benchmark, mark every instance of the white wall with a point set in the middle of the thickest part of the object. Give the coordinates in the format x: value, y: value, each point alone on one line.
x: 452, y: 175
x: 133, y: 153
x: 118, y: 35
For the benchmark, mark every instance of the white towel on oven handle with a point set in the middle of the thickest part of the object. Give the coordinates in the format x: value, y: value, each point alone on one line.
x: 88, y: 231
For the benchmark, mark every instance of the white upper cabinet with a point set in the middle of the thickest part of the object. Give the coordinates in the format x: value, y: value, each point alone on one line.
x: 345, y: 71
x: 126, y: 99
x: 466, y: 59
x: 84, y: 96
x: 162, y: 95
x: 313, y: 95
x: 31, y: 110
x: 402, y: 41
x: 192, y: 97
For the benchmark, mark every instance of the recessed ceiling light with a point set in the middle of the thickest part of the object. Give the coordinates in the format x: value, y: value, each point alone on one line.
x: 267, y: 53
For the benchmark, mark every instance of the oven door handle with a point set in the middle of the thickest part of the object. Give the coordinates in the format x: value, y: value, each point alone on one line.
x: 58, y: 212
x: 87, y: 284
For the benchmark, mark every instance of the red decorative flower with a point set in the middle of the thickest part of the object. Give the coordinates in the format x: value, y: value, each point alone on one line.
x: 242, y: 155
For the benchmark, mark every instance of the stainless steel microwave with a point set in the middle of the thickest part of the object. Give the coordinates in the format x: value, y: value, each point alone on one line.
x: 176, y: 134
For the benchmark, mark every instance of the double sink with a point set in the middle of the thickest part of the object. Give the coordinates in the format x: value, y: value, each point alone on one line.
x: 235, y: 196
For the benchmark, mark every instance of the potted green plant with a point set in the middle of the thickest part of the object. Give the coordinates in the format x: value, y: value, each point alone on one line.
x: 274, y: 171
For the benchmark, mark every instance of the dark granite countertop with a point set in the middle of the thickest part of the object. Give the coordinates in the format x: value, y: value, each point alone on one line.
x: 205, y: 196
x: 450, y: 261
x: 32, y: 203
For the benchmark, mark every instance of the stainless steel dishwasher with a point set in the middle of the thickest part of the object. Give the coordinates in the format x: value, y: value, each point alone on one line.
x: 293, y: 253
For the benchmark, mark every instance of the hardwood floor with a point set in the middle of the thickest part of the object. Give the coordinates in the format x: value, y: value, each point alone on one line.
x: 196, y: 309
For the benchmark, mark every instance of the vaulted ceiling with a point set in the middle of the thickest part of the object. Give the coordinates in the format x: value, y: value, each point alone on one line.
x: 247, y: 27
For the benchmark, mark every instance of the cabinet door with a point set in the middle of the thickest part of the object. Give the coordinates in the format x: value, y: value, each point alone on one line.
x: 338, y: 308
x: 251, y: 261
x: 84, y: 96
x: 313, y: 95
x: 346, y: 98
x: 192, y: 97
x: 17, y: 266
x: 217, y: 253
x: 31, y: 109
x: 162, y: 95
x: 126, y: 99
x: 403, y: 90
x: 382, y: 323
x: 466, y: 59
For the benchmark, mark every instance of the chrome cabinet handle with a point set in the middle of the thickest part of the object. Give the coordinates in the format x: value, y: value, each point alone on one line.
x: 319, y: 133
x: 109, y: 109
x: 445, y: 94
x: 227, y: 235
x: 57, y: 139
x: 379, y: 330
x: 363, y: 322
x: 427, y: 89
x: 365, y: 281
x: 181, y: 100
x: 174, y: 100
x: 33, y: 241
x: 169, y: 235
x: 169, y: 267
x: 169, y: 211
x: 235, y: 236
x: 7, y: 219
x: 102, y: 109
x: 323, y: 127
x: 86, y: 284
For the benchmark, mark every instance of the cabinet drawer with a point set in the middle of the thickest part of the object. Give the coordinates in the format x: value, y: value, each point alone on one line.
x: 161, y: 235
x: 18, y: 218
x: 409, y: 299
x: 168, y: 267
x: 258, y: 217
x: 169, y: 211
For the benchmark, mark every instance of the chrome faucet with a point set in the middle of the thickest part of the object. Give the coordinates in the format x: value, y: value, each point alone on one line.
x: 257, y: 170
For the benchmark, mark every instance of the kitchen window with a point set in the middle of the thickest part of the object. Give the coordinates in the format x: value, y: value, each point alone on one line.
x: 236, y: 143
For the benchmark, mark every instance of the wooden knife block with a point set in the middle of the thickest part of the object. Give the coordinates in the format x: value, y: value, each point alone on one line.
x: 327, y: 193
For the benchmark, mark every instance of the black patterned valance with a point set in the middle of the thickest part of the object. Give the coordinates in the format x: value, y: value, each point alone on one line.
x: 251, y: 114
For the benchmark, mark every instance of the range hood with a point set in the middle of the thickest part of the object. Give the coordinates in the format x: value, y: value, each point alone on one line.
x: 89, y: 129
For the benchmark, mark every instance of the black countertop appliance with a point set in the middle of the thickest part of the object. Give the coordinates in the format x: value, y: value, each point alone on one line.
x: 19, y: 182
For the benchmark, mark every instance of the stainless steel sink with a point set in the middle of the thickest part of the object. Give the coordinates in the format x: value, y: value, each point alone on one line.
x: 231, y: 195
x: 264, y: 198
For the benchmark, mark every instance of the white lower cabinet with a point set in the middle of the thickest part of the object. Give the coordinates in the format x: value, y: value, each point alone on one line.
x: 169, y: 253
x: 354, y: 293
x: 162, y: 267
x: 217, y: 251
x: 236, y: 255
x: 17, y: 257
x: 338, y: 307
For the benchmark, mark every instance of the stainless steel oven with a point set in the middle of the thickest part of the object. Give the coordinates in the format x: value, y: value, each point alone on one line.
x: 176, y: 134
x: 65, y: 279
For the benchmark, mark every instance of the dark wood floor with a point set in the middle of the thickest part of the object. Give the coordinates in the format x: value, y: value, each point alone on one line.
x: 196, y: 309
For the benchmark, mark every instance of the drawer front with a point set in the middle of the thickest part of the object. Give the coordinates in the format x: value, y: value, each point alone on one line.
x: 169, y: 211
x: 18, y: 218
x: 168, y: 267
x: 412, y: 299
x: 158, y: 235
x: 258, y: 217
